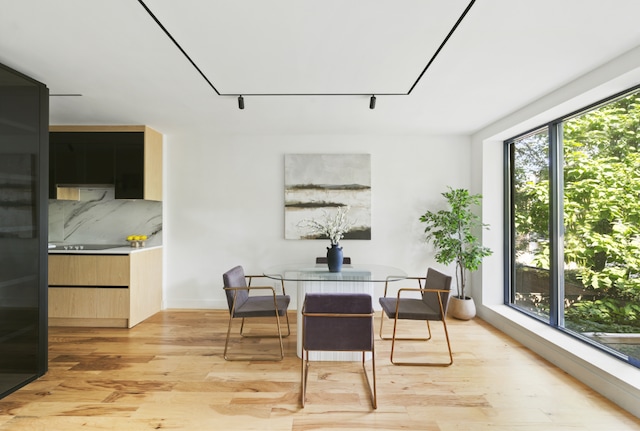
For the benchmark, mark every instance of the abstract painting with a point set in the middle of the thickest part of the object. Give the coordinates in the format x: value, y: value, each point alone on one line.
x: 316, y: 185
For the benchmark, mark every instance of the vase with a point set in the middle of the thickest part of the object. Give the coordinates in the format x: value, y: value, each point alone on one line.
x: 334, y: 258
x: 462, y: 308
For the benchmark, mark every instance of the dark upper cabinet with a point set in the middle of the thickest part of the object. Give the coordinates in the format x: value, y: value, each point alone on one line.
x: 67, y: 160
x: 24, y: 117
x: 76, y: 159
x: 127, y: 157
x: 129, y: 171
x: 99, y: 163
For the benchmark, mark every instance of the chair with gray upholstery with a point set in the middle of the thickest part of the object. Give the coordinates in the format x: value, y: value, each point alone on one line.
x: 338, y: 322
x: 245, y: 303
x: 428, y: 304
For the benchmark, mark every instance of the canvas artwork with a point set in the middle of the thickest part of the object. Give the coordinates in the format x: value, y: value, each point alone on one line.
x: 319, y: 184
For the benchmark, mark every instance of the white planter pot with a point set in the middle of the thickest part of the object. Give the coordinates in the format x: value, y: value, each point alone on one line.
x: 463, y: 309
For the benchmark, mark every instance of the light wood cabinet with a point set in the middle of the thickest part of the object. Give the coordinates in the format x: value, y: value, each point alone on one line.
x: 104, y: 290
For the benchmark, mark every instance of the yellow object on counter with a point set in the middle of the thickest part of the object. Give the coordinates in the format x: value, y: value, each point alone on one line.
x: 137, y: 240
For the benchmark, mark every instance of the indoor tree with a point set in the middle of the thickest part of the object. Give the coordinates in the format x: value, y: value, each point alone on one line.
x: 453, y: 234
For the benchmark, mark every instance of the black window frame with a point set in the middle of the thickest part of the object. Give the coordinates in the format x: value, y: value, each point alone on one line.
x: 556, y: 188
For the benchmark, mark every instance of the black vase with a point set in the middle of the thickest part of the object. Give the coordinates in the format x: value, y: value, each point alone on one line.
x: 334, y: 258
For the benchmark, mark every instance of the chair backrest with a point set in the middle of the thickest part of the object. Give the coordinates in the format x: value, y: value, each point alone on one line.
x: 439, y: 281
x: 235, y: 278
x: 338, y: 333
x: 345, y: 260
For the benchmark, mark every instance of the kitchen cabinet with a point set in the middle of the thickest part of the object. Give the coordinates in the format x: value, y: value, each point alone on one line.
x: 24, y: 138
x: 130, y: 165
x: 84, y: 158
x: 100, y: 290
x: 127, y: 157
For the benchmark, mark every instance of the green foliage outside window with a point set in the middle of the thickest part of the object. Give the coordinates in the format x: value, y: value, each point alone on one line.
x: 601, y: 215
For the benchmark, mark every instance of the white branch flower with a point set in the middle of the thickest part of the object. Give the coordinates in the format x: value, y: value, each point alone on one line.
x: 333, y: 228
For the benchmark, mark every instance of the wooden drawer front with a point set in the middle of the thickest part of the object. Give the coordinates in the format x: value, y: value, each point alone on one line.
x: 88, y: 270
x: 112, y: 270
x: 88, y: 302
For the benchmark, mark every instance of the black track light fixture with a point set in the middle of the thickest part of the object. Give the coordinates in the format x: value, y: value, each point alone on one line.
x: 372, y: 102
x: 240, y: 102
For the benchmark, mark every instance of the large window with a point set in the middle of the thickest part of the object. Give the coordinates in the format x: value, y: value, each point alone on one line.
x: 574, y: 212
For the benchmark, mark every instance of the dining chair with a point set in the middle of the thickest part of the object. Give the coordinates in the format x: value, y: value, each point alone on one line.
x: 244, y: 303
x: 338, y: 322
x: 428, y: 303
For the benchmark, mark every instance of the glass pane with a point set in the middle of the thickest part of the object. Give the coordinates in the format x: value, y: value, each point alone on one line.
x: 602, y: 224
x: 531, y: 223
x: 20, y: 323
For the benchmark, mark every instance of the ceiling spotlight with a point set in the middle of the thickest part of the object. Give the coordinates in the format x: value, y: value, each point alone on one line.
x: 372, y: 102
x: 240, y: 102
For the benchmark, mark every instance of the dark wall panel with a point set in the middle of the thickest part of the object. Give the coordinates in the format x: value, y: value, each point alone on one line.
x: 24, y: 118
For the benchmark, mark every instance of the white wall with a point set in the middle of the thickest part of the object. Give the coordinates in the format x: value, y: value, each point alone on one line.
x: 613, y: 378
x: 224, y: 198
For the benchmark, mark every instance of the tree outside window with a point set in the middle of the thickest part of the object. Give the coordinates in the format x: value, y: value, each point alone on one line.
x: 600, y: 220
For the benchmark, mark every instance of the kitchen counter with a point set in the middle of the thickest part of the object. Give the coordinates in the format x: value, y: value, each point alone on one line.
x: 92, y: 249
x: 116, y: 287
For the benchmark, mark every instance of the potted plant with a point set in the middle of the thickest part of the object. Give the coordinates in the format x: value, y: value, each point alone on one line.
x: 452, y: 233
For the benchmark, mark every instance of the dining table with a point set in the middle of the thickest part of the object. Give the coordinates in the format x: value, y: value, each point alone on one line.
x: 316, y: 278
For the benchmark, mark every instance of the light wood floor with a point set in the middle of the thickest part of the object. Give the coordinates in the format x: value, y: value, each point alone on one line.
x: 168, y: 373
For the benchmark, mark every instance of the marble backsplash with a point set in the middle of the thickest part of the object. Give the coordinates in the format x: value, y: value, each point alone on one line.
x: 99, y: 218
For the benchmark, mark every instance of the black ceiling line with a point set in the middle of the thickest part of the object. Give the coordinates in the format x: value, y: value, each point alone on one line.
x: 312, y: 94
x: 453, y: 29
x: 178, y: 45
x: 455, y: 26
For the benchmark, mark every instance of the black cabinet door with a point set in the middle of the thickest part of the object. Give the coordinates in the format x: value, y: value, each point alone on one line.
x: 90, y: 158
x: 99, y: 165
x: 82, y: 158
x: 67, y: 159
x: 130, y: 168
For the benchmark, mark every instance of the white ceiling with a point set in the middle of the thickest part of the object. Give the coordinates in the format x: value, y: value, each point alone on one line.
x: 308, y: 66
